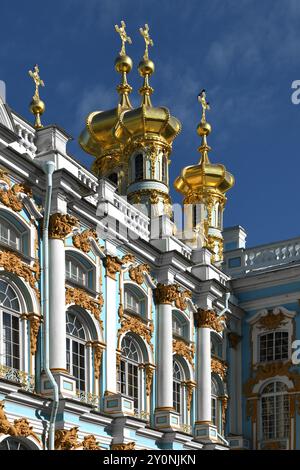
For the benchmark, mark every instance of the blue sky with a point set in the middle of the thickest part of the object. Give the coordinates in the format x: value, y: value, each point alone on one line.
x: 245, y: 53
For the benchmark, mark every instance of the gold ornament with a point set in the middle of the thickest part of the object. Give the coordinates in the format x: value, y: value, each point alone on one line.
x: 90, y: 443
x: 37, y: 106
x: 82, y: 240
x: 61, y: 225
x: 148, y: 41
x: 128, y: 258
x: 209, y: 319
x: 272, y: 369
x: 190, y: 385
x: 5, y: 426
x: 35, y: 322
x: 123, y: 36
x: 98, y: 351
x: 11, y: 262
x: 165, y: 293
x: 80, y: 297
x: 136, y: 273
x: 149, y: 371
x: 113, y: 266
x: 128, y: 446
x: 234, y: 339
x: 219, y: 367
x: 271, y: 321
x: 135, y: 325
x: 184, y: 350
x: 24, y: 429
x: 67, y: 439
x: 181, y: 299
x: 12, y: 196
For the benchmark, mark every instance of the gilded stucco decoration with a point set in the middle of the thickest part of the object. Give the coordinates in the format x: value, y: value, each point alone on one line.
x: 20, y: 428
x: 35, y: 322
x: 12, y: 263
x: 182, y: 297
x: 98, y: 351
x: 136, y: 273
x: 269, y: 370
x: 165, y: 294
x: 82, y: 299
x: 149, y: 371
x: 219, y: 367
x: 61, y: 225
x: 128, y: 446
x: 209, y: 319
x: 67, y: 439
x: 12, y: 196
x: 234, y: 339
x: 82, y: 240
x: 190, y: 386
x: 90, y: 443
x: 135, y: 325
x: 113, y: 265
x: 184, y: 350
x: 271, y: 321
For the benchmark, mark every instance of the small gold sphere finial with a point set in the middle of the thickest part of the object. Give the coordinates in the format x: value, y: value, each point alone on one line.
x: 37, y: 106
x: 146, y: 67
x: 123, y: 64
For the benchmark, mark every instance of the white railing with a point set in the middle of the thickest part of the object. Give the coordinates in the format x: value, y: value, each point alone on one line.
x: 26, y: 135
x: 134, y: 219
x: 20, y: 377
x: 87, y: 178
x: 88, y: 398
x: 262, y: 257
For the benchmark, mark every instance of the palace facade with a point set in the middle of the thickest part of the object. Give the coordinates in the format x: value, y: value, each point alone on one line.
x: 122, y: 328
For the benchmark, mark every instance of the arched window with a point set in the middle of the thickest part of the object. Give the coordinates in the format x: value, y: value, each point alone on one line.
x: 77, y: 272
x: 177, y: 387
x: 14, y: 443
x: 76, y: 350
x: 275, y: 411
x: 13, y: 235
x: 139, y: 167
x: 274, y: 346
x: 216, y: 346
x: 164, y: 174
x: 129, y: 374
x: 10, y: 326
x: 216, y: 405
x: 179, y: 325
x: 134, y: 301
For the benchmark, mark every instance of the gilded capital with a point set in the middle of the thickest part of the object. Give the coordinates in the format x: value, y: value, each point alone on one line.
x: 61, y: 225
x: 128, y: 446
x: 165, y: 294
x: 209, y: 319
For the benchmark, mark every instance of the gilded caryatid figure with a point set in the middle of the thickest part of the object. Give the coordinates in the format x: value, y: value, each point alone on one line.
x: 148, y: 41
x: 121, y: 30
x: 37, y: 106
x: 205, y: 105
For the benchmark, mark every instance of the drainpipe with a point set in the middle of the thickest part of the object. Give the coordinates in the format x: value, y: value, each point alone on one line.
x: 48, y: 168
x: 226, y: 308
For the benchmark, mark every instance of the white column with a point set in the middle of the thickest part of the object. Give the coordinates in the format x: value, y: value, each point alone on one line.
x: 203, y: 375
x: 57, y: 303
x: 164, y: 349
x: 113, y: 267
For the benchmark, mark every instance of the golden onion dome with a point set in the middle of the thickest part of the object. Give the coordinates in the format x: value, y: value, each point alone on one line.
x: 205, y: 175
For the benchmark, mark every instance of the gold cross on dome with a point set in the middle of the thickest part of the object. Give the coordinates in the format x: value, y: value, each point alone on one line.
x: 123, y: 35
x: 148, y: 40
x: 35, y: 75
x: 205, y: 105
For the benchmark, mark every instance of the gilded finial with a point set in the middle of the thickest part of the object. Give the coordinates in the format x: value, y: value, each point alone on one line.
x: 123, y: 35
x: 123, y: 65
x: 205, y: 105
x: 37, y: 106
x: 147, y: 39
x: 204, y: 128
x: 146, y: 68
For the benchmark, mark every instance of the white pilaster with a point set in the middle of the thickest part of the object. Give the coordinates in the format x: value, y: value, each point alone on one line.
x: 165, y: 357
x: 57, y: 302
x: 111, y: 334
x: 203, y: 375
